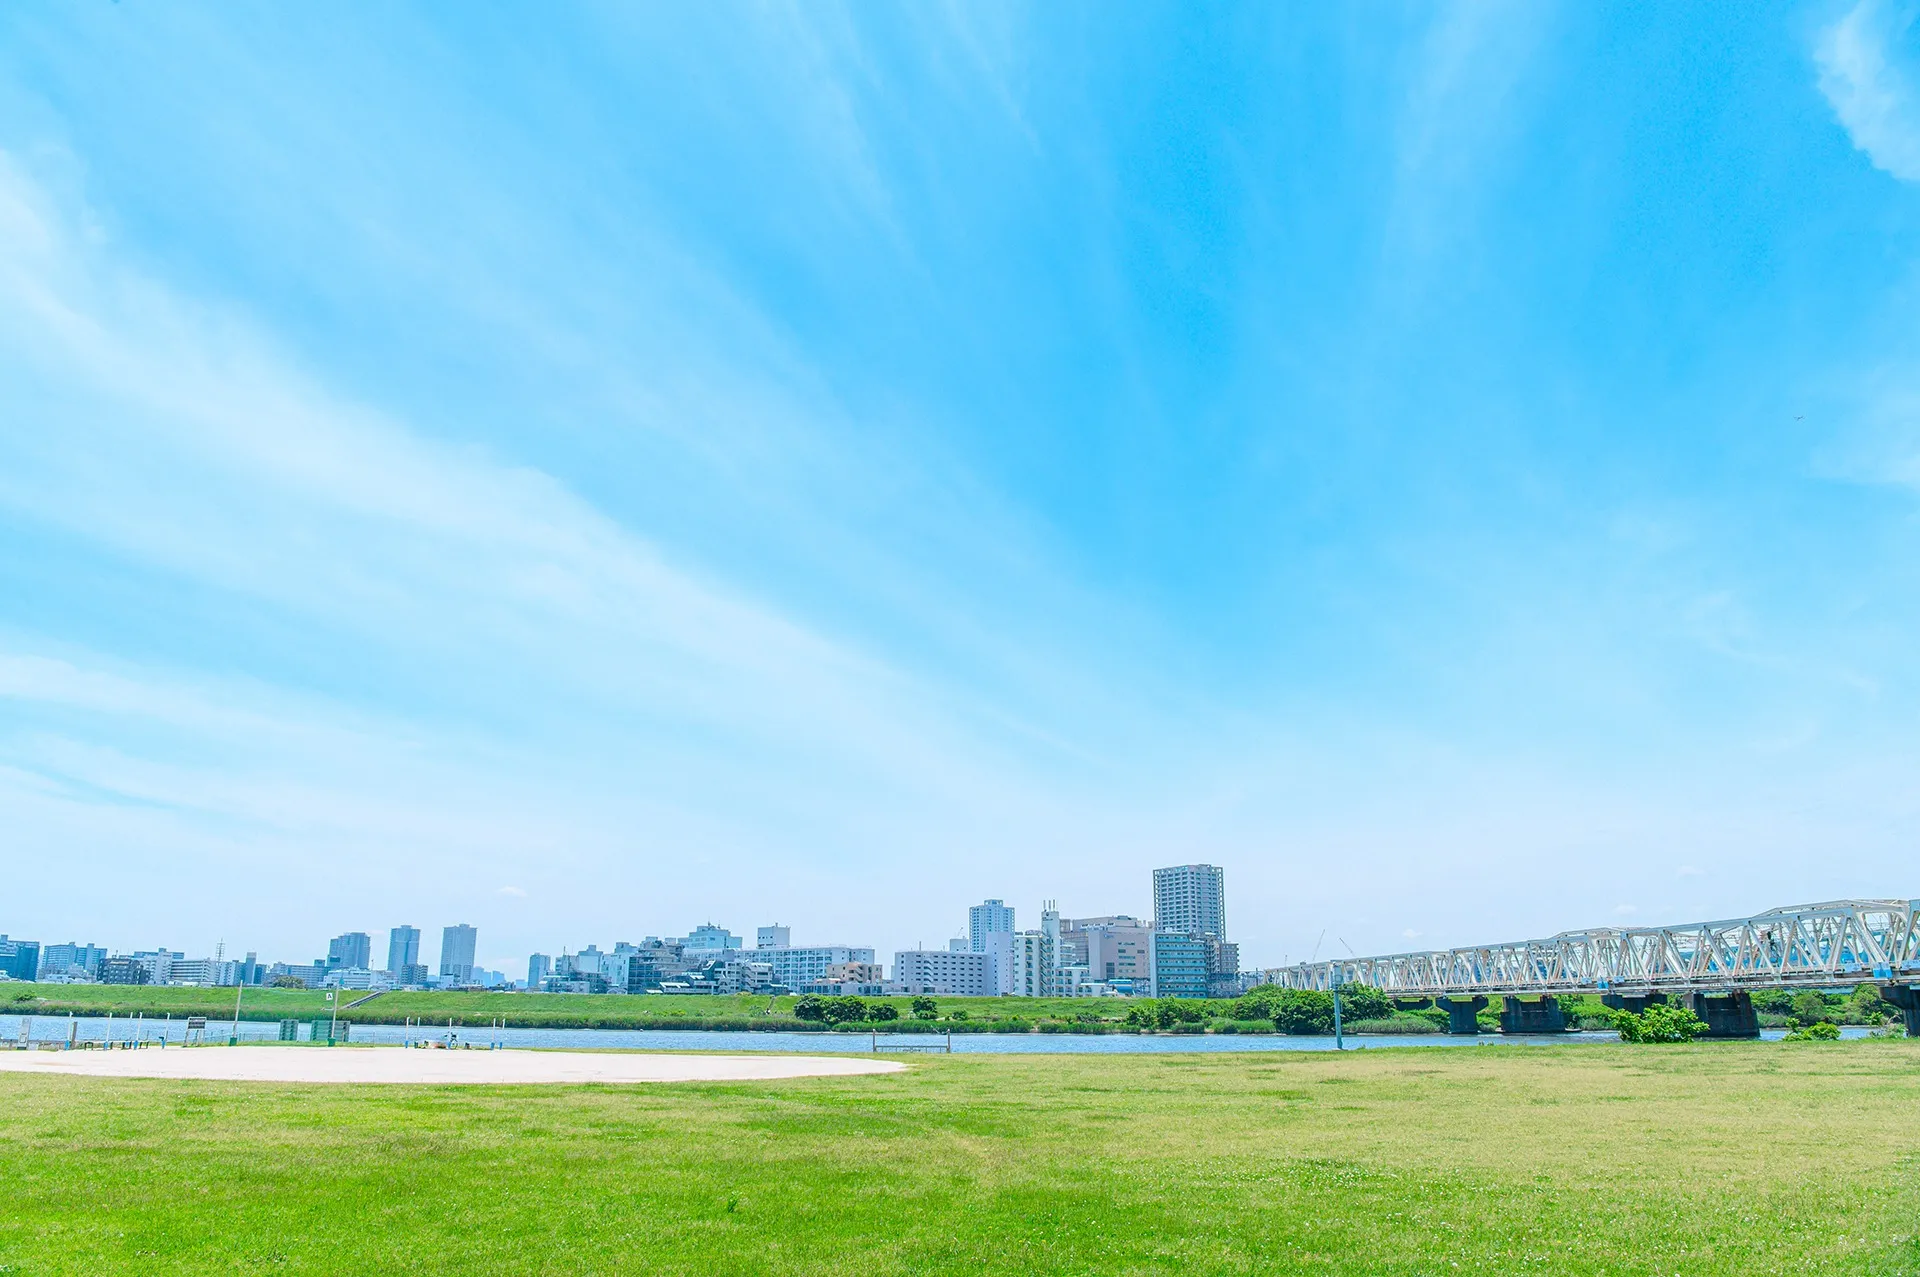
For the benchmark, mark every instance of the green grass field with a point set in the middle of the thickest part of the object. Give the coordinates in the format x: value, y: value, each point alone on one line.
x: 1722, y: 1158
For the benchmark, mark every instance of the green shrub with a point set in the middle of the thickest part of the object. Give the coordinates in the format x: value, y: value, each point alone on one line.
x: 1659, y: 1023
x: 1303, y: 1011
x: 1818, y: 1031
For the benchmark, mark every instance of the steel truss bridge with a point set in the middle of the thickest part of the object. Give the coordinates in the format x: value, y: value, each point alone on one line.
x: 1842, y: 942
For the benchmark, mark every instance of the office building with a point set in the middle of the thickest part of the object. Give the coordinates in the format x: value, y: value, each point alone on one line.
x: 956, y: 973
x: 354, y: 949
x: 457, y: 945
x: 539, y: 967
x: 20, y: 959
x: 310, y: 976
x: 990, y: 918
x: 1179, y: 965
x: 403, y: 950
x: 64, y: 961
x: 1113, y: 948
x: 1190, y: 900
x: 245, y: 971
x: 774, y: 937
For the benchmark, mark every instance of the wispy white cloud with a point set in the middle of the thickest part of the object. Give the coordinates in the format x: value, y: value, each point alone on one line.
x: 1869, y: 72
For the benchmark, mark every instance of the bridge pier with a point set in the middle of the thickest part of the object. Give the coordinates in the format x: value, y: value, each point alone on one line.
x: 1728, y: 1015
x: 1461, y: 1013
x: 1518, y: 1015
x: 1906, y: 999
x: 1634, y: 1002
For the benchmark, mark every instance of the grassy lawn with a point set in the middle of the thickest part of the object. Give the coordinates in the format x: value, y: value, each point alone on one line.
x: 1732, y: 1158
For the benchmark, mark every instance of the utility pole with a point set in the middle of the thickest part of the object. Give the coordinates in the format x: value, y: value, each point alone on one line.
x: 238, y: 989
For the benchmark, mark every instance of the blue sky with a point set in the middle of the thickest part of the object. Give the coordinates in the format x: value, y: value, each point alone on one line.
x: 588, y: 471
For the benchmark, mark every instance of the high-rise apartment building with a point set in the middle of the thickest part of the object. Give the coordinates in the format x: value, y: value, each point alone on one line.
x: 403, y: 950
x: 774, y: 937
x: 987, y: 919
x: 1179, y: 965
x: 1190, y: 900
x: 354, y: 949
x: 457, y: 944
x: 1027, y: 969
x: 539, y: 967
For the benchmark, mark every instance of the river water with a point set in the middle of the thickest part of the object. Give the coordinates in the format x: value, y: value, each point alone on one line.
x: 48, y: 1028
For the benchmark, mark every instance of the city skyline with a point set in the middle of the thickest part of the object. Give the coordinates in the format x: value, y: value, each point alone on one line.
x: 969, y: 453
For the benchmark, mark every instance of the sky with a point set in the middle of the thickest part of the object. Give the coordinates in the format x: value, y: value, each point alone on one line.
x: 586, y: 471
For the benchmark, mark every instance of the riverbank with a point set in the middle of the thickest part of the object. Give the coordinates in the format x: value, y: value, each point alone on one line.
x: 744, y: 1014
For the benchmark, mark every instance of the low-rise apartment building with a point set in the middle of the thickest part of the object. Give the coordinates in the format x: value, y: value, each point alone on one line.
x: 944, y: 971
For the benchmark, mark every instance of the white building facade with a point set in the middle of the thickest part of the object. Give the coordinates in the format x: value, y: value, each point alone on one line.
x: 944, y: 971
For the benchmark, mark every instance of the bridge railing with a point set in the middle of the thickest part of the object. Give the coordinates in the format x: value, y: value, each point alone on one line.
x: 1837, y: 943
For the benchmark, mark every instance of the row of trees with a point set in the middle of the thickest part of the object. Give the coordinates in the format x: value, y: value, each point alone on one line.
x: 1296, y: 1011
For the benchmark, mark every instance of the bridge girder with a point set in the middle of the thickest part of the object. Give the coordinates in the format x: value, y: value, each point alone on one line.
x: 1826, y: 945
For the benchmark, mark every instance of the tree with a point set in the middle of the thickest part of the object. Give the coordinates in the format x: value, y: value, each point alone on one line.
x: 1867, y: 1006
x: 1364, y: 1002
x: 925, y: 1009
x: 288, y: 982
x: 1256, y: 1003
x: 1659, y: 1023
x: 811, y: 1007
x: 1809, y: 1007
x: 883, y: 1011
x: 847, y: 1010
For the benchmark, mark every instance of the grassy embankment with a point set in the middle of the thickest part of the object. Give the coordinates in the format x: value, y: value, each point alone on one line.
x: 1729, y: 1158
x: 554, y: 1010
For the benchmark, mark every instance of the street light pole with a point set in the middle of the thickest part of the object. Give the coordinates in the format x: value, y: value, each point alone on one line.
x: 1339, y: 1043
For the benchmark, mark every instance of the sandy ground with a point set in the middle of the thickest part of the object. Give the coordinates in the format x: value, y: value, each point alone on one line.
x: 396, y: 1064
